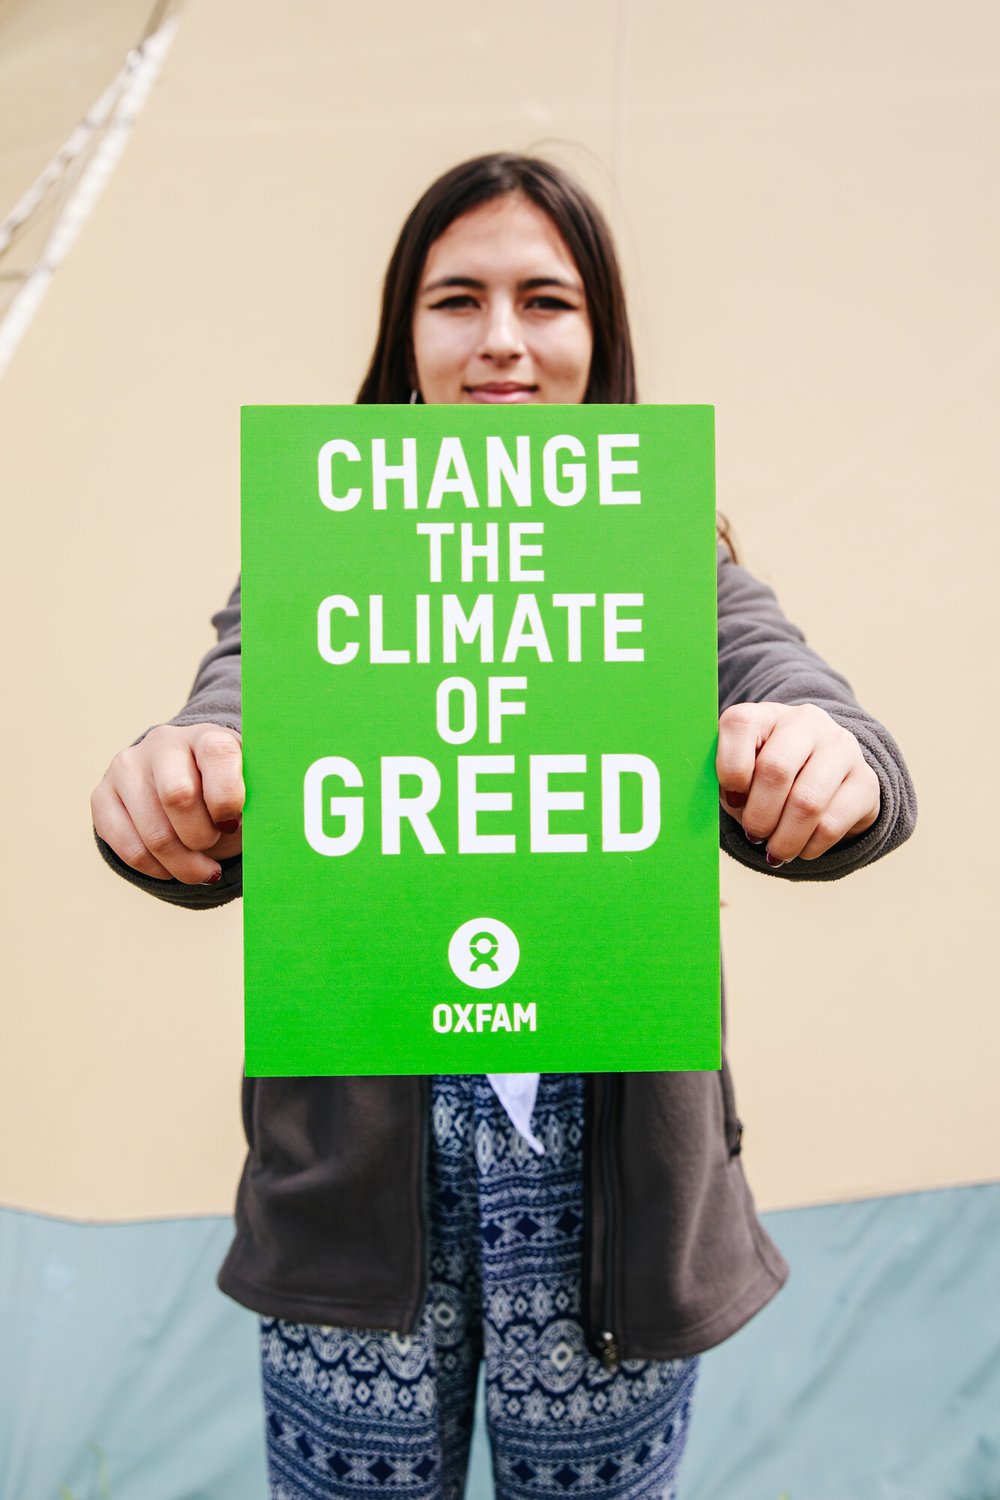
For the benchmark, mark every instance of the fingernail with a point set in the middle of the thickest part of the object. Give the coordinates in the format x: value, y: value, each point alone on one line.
x: 736, y: 799
x: 750, y: 840
x: 213, y: 879
x: 228, y: 825
x: 775, y: 864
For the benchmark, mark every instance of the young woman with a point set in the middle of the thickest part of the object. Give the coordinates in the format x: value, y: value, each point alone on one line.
x: 391, y: 1231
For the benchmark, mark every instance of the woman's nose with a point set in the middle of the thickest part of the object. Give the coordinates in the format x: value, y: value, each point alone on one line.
x: 502, y: 337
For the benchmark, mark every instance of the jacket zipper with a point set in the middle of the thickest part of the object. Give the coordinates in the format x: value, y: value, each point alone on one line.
x: 606, y: 1344
x: 423, y: 1202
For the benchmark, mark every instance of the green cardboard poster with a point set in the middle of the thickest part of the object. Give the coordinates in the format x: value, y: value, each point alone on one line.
x: 480, y: 717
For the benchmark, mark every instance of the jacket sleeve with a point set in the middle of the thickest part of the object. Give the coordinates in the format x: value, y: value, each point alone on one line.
x: 763, y: 657
x: 215, y: 699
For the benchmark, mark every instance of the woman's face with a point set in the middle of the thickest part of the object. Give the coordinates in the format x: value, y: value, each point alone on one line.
x: 500, y: 312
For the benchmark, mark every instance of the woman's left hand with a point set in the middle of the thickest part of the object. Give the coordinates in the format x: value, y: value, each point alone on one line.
x: 794, y: 779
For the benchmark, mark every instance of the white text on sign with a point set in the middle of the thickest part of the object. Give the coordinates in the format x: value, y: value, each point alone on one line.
x: 415, y: 805
x: 340, y: 465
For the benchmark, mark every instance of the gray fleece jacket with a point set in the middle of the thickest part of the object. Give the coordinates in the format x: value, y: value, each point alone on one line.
x: 330, y: 1211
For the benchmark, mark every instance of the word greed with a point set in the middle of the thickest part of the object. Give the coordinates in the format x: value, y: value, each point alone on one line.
x: 415, y: 807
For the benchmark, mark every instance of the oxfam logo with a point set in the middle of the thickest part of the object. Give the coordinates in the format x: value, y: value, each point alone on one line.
x: 483, y: 953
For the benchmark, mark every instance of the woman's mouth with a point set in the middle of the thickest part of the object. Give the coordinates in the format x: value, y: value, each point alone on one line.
x: 501, y: 390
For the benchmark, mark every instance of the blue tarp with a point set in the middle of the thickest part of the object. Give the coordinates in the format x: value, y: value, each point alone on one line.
x: 114, y: 1335
x: 875, y: 1375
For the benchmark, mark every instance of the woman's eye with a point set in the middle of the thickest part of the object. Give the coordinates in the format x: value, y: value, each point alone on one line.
x: 550, y: 304
x: 460, y: 299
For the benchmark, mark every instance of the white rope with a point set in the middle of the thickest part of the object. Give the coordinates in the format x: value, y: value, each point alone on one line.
x: 115, y: 112
x: 77, y: 143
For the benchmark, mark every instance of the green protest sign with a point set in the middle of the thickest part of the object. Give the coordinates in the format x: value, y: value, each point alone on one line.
x: 480, y: 715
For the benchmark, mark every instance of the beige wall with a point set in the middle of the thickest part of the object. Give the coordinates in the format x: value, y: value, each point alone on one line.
x: 801, y: 196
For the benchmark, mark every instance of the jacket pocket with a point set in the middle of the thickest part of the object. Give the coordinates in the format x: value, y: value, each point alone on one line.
x: 733, y: 1124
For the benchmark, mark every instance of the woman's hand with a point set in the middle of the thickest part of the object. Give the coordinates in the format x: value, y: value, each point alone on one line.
x: 793, y: 778
x: 164, y: 803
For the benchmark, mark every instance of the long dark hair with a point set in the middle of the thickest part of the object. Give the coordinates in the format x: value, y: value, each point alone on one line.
x: 578, y: 220
x: 582, y: 225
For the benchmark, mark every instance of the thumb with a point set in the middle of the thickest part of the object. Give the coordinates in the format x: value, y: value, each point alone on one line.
x: 743, y: 728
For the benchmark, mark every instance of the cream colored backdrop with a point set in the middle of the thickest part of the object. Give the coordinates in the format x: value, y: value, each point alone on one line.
x: 803, y: 200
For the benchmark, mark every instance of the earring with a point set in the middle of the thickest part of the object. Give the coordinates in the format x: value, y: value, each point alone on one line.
x: 414, y: 396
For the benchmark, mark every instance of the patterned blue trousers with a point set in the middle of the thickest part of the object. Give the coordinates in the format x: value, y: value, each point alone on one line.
x: 356, y: 1414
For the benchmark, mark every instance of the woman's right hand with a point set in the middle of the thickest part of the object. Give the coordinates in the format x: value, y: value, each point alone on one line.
x: 171, y: 806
